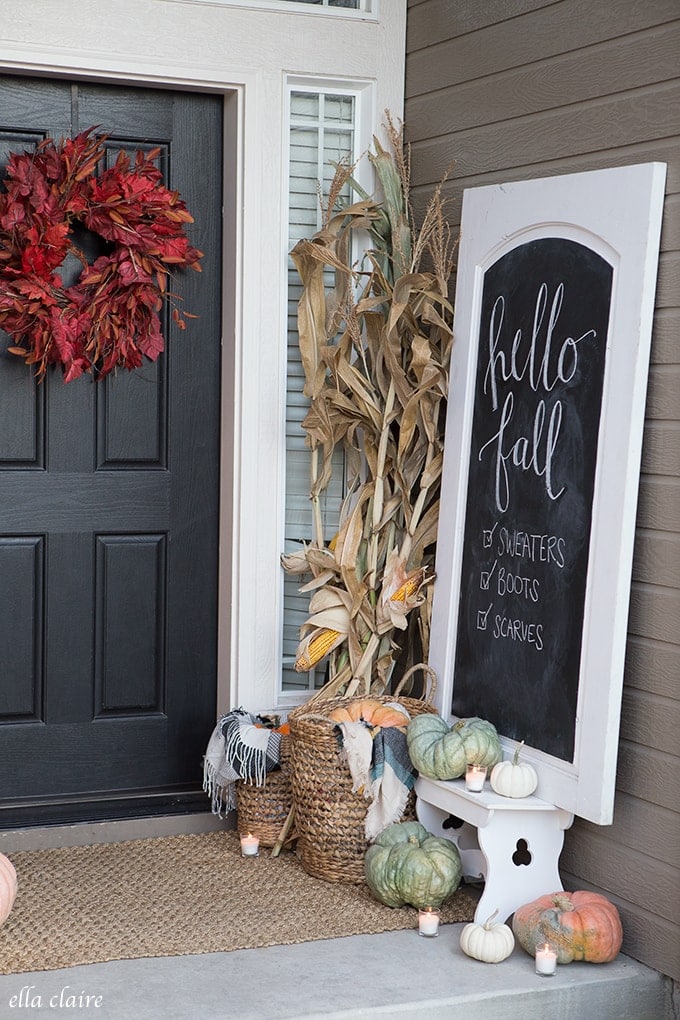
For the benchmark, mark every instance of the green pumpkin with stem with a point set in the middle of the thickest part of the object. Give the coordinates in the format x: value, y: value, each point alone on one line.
x: 440, y: 751
x: 408, y: 865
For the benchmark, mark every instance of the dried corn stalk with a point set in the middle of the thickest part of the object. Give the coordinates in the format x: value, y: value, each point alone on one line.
x: 375, y: 349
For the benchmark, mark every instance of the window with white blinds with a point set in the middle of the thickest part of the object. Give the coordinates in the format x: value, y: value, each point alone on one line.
x: 322, y: 131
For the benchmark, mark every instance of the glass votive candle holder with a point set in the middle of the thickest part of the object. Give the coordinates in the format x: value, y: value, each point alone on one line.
x: 474, y: 778
x: 428, y: 922
x: 546, y: 959
x: 250, y: 846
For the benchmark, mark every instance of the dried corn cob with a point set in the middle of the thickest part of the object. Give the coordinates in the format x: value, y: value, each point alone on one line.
x: 316, y: 649
x: 410, y: 585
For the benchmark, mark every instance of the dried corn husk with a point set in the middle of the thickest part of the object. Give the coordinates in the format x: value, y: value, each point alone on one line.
x: 375, y: 347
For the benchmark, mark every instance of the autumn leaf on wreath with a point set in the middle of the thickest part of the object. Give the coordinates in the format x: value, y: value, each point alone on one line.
x: 13, y: 217
x: 153, y: 344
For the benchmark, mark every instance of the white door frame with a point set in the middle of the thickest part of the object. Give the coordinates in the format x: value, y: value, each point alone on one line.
x: 247, y: 54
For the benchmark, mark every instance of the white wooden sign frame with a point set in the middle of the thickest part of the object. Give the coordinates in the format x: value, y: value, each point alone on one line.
x: 617, y: 214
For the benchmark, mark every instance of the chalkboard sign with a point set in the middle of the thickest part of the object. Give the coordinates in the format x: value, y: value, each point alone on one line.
x: 533, y: 452
x: 552, y: 327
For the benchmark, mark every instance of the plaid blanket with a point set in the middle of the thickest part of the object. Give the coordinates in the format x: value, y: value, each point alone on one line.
x: 381, y: 769
x: 240, y: 747
x: 392, y: 777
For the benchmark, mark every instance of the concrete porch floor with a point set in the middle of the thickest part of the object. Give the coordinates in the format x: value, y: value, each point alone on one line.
x: 396, y: 974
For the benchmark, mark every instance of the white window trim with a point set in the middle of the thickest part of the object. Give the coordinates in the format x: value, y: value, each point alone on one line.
x: 364, y: 127
x: 248, y: 56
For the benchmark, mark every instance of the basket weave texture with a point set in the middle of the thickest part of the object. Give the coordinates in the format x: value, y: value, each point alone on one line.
x: 262, y: 810
x: 329, y: 817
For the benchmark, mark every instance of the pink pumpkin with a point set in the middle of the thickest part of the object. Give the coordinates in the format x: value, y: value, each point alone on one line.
x: 8, y: 887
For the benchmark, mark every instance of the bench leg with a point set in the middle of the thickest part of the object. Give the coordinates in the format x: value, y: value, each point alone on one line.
x: 522, y: 851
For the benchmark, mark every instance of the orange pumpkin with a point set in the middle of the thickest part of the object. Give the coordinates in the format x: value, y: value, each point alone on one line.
x: 386, y: 715
x: 581, y: 926
x: 371, y: 711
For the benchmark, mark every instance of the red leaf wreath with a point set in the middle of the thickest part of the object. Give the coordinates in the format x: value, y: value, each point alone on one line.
x: 109, y: 318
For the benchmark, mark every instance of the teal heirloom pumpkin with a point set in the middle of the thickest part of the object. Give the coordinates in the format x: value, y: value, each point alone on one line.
x: 407, y: 864
x: 442, y: 752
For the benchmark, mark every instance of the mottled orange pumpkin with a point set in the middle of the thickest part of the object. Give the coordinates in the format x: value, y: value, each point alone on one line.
x: 581, y: 926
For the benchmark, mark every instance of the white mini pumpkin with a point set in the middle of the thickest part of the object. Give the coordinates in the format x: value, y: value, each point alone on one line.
x: 514, y: 778
x: 487, y: 942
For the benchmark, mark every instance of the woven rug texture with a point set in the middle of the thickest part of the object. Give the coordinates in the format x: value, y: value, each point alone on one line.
x: 180, y: 895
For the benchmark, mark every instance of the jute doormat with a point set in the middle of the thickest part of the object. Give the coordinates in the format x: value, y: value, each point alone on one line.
x: 177, y: 896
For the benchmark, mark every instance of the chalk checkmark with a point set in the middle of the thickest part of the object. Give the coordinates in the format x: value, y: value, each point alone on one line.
x: 485, y: 577
x: 482, y: 617
x: 487, y: 536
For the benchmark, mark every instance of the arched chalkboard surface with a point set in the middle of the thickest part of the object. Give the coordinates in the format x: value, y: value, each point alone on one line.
x: 537, y: 401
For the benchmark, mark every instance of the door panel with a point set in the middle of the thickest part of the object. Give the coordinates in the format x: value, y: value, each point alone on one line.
x: 109, y: 511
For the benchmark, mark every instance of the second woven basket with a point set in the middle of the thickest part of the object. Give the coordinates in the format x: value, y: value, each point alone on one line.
x: 263, y: 810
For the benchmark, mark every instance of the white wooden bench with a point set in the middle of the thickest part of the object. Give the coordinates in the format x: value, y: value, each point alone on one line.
x: 514, y: 845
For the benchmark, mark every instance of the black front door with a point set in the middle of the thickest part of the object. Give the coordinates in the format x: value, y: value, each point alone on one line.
x: 109, y: 512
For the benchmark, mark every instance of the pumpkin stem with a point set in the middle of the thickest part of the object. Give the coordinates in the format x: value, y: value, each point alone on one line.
x: 563, y: 902
x: 515, y: 760
x: 489, y: 920
x: 414, y: 839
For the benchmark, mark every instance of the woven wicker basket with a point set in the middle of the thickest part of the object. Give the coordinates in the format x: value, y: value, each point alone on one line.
x: 263, y: 810
x: 329, y: 818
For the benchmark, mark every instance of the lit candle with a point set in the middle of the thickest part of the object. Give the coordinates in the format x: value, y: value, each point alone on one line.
x: 474, y: 778
x: 546, y: 960
x: 250, y: 846
x: 428, y: 922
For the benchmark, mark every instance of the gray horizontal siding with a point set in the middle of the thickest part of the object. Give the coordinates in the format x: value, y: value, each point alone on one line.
x: 602, y: 70
x: 553, y: 139
x: 446, y: 56
x: 657, y: 557
x: 501, y: 90
x: 652, y: 666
